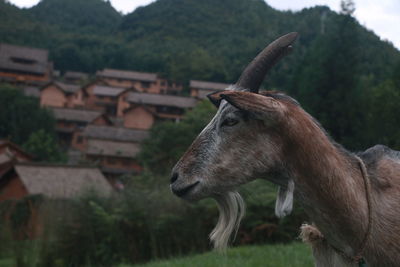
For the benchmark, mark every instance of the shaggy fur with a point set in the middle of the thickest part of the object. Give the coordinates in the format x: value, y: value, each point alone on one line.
x: 270, y: 136
x: 231, y: 211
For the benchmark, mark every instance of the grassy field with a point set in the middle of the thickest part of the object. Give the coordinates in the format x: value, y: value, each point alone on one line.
x: 295, y: 255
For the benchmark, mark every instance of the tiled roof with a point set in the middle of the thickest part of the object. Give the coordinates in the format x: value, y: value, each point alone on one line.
x: 161, y: 100
x: 115, y: 133
x: 208, y: 85
x: 111, y: 148
x: 67, y: 88
x: 78, y: 115
x: 62, y: 181
x: 128, y: 75
x: 23, y: 59
x: 31, y: 91
x: 107, y: 90
x: 75, y: 75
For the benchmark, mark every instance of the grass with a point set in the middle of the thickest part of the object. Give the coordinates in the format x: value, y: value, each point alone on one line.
x: 295, y: 255
x: 7, y: 262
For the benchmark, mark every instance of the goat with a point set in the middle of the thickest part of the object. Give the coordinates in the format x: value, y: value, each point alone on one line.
x: 352, y: 200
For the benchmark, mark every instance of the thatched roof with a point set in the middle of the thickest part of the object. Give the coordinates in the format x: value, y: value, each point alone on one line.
x: 107, y: 90
x: 112, y: 148
x: 23, y: 59
x: 62, y: 181
x: 115, y: 133
x: 77, y: 115
x: 127, y: 75
x: 161, y: 100
x: 208, y: 85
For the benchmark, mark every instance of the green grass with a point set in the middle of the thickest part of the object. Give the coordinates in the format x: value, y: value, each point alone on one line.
x: 295, y: 254
x: 7, y: 262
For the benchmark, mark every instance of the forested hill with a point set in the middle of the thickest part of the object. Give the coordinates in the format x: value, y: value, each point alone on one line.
x: 182, y: 39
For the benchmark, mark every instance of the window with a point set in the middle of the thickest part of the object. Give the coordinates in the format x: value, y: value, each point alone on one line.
x: 145, y: 84
x: 22, y: 60
x: 79, y: 140
x: 111, y: 160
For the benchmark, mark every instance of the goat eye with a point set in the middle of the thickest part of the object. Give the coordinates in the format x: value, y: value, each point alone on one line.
x: 229, y: 122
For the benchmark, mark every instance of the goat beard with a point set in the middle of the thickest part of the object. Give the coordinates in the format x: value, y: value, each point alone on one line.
x: 231, y: 211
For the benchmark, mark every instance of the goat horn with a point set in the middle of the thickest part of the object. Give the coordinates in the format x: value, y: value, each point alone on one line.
x: 254, y: 74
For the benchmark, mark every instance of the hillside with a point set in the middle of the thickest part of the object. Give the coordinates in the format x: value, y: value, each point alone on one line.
x: 76, y: 15
x: 182, y: 39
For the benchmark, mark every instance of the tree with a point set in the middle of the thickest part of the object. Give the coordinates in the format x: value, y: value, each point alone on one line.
x: 327, y: 83
x: 44, y: 146
x: 23, y: 122
x: 21, y: 115
x: 169, y: 140
x: 347, y: 7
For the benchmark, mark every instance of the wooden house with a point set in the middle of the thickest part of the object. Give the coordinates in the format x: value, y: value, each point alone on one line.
x: 113, y: 148
x: 70, y: 122
x: 10, y: 154
x: 141, y: 81
x: 144, y: 109
x: 75, y: 77
x: 200, y: 89
x: 58, y: 94
x: 24, y: 65
x: 104, y: 98
x: 54, y: 182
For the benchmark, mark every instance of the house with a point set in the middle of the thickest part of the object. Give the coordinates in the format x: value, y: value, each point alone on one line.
x: 52, y: 181
x: 10, y: 153
x: 141, y: 81
x: 32, y: 91
x: 24, y: 65
x: 75, y: 77
x: 144, y: 109
x: 200, y: 89
x: 113, y: 148
x: 104, y: 98
x: 58, y: 94
x: 70, y: 122
x: 25, y: 181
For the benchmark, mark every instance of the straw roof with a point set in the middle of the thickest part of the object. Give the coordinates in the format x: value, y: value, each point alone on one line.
x: 78, y: 115
x: 115, y: 133
x: 127, y: 75
x: 161, y: 100
x: 208, y: 85
x: 62, y: 181
x: 112, y: 148
x: 23, y: 59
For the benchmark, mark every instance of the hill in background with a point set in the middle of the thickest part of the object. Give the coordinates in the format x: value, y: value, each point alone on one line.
x: 181, y: 39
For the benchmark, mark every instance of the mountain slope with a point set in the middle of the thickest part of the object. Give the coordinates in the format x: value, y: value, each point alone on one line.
x: 77, y: 15
x: 182, y: 39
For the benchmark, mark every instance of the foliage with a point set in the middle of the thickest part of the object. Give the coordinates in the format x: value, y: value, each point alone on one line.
x: 44, y: 146
x: 181, y: 39
x: 20, y: 116
x: 327, y: 85
x: 169, y: 140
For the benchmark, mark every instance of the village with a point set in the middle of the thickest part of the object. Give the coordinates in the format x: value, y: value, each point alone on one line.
x: 101, y: 121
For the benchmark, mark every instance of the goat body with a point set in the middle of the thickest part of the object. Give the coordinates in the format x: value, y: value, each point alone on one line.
x: 270, y: 136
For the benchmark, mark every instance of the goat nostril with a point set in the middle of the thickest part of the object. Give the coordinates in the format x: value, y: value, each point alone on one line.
x: 174, y: 177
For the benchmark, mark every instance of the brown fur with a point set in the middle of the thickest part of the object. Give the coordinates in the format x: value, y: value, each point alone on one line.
x: 280, y: 141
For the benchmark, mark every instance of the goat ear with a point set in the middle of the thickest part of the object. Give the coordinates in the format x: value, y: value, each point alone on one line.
x: 215, y: 98
x: 284, y: 200
x: 252, y: 102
